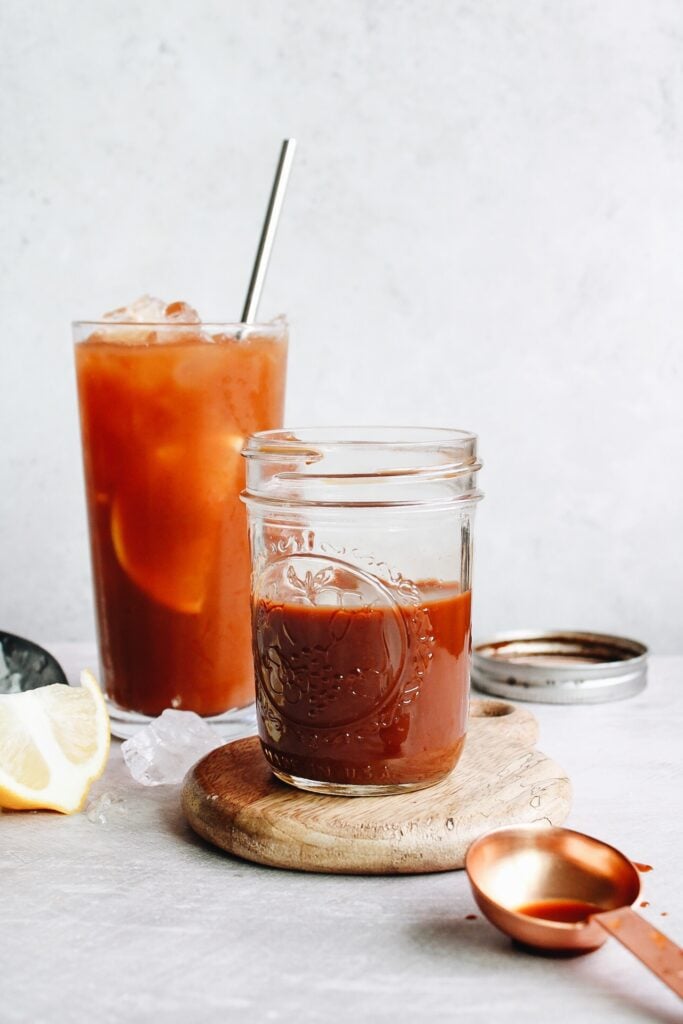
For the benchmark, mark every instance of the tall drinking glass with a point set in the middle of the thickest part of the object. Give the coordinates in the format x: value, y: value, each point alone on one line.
x: 165, y: 409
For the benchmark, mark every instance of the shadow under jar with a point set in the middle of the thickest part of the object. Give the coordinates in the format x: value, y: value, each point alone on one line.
x: 361, y: 546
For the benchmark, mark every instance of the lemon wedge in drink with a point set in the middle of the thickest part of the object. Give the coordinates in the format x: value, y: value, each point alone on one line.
x: 54, y: 742
x: 167, y: 516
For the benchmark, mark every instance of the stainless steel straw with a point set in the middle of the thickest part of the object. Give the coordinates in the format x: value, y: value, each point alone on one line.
x: 268, y: 231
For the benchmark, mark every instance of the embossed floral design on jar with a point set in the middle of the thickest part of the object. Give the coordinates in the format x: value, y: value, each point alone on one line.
x: 361, y: 554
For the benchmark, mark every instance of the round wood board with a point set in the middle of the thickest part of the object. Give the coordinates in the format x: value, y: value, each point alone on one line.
x: 231, y: 798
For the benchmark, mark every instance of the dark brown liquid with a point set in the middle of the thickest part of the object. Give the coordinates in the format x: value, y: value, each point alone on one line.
x: 364, y: 695
x: 643, y: 868
x: 564, y: 911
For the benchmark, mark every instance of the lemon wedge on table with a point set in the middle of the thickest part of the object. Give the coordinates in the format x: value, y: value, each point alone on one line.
x: 54, y: 742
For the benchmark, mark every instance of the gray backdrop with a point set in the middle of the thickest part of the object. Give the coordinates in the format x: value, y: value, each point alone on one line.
x: 484, y: 229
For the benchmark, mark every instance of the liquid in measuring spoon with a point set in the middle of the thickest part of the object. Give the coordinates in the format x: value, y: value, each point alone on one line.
x: 564, y: 911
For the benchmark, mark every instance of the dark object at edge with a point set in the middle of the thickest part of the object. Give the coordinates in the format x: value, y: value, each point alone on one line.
x: 26, y: 666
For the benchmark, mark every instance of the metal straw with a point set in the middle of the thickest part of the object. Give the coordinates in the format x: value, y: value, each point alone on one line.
x: 265, y: 245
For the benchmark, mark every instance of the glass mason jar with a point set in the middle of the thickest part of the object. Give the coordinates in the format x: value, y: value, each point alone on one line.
x: 361, y: 546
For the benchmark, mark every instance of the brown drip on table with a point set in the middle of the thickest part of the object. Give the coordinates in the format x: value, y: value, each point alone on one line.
x: 645, y: 903
x: 471, y: 917
x: 643, y: 868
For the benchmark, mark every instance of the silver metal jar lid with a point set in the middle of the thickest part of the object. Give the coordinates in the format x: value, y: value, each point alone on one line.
x: 560, y: 667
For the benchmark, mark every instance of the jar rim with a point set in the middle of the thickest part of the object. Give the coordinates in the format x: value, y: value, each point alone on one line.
x: 349, y: 463
x: 334, y: 436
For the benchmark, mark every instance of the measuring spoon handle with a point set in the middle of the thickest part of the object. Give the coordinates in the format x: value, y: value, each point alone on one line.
x: 652, y: 947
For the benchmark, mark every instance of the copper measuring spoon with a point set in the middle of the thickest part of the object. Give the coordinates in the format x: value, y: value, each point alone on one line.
x: 563, y: 891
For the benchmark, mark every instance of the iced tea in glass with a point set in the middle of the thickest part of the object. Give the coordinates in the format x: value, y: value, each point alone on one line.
x: 165, y: 407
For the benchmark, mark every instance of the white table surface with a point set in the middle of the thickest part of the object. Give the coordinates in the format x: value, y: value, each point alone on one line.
x: 138, y: 920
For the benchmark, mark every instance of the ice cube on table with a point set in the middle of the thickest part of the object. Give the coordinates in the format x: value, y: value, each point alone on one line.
x: 164, y: 751
x: 99, y: 811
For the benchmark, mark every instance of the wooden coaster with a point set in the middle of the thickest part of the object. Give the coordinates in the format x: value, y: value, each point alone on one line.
x: 231, y: 798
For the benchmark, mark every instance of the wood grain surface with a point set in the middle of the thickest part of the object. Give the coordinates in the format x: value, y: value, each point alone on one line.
x: 231, y: 799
